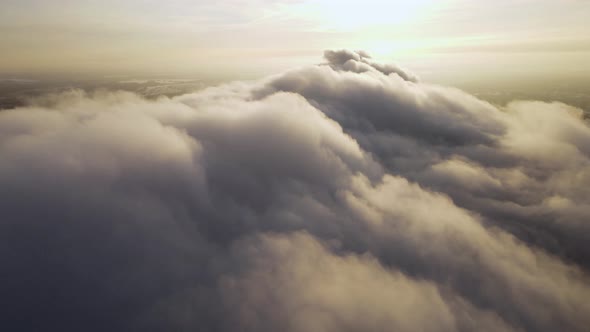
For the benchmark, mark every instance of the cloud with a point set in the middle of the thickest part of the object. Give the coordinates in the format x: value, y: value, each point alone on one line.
x: 360, y: 62
x: 293, y: 283
x: 342, y: 196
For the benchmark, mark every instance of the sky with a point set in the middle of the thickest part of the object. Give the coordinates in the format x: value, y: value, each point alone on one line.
x: 235, y: 38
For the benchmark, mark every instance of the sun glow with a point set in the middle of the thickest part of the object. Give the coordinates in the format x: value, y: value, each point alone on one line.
x: 382, y: 28
x: 346, y: 15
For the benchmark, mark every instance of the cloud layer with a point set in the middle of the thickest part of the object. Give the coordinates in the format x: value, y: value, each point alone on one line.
x: 347, y: 196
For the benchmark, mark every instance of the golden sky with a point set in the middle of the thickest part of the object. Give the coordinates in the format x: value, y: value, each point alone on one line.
x: 250, y: 38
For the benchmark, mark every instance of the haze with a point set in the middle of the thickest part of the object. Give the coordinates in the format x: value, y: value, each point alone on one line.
x: 440, y: 40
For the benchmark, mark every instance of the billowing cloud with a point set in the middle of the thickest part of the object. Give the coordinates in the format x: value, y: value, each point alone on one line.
x: 346, y: 196
x: 360, y: 62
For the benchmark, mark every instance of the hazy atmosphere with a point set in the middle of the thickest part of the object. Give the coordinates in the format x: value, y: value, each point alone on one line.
x: 248, y: 38
x: 295, y: 165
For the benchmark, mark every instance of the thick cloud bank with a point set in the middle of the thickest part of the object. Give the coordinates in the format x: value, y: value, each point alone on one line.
x: 346, y: 196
